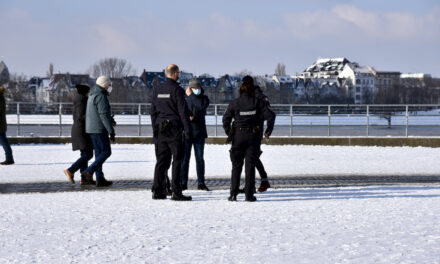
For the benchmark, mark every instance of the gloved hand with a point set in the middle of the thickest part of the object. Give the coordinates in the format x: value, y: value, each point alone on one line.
x: 267, y: 134
x: 112, y: 137
x: 113, y: 120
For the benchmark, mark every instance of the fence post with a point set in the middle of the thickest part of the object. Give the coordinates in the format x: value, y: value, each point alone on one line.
x: 291, y: 120
x: 139, y: 121
x: 329, y: 116
x: 18, y: 119
x: 406, y: 115
x: 368, y: 120
x: 60, y: 115
x: 215, y: 116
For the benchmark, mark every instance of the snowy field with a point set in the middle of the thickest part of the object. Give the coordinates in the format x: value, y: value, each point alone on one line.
x: 37, y: 163
x: 392, y: 224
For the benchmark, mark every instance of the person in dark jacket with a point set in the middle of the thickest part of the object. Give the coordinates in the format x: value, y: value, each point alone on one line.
x: 197, y: 105
x: 169, y: 118
x: 3, y: 128
x: 248, y: 113
x: 99, y: 126
x: 264, y: 185
x: 80, y: 139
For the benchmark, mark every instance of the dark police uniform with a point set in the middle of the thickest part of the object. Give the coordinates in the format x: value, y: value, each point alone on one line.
x: 169, y: 118
x: 248, y: 112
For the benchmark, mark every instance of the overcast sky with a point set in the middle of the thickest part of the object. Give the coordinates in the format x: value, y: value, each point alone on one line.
x: 219, y: 37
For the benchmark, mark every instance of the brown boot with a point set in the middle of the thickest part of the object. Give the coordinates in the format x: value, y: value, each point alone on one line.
x: 87, y: 177
x: 69, y: 176
x: 264, y: 186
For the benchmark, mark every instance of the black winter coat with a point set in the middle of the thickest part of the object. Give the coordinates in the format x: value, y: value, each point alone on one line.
x: 80, y: 140
x: 3, y: 125
x: 197, y: 105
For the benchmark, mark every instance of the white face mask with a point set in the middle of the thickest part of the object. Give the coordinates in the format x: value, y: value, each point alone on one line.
x: 196, y: 91
x: 109, y: 90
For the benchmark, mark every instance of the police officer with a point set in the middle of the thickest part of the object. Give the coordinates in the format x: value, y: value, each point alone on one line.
x: 248, y: 112
x: 169, y: 118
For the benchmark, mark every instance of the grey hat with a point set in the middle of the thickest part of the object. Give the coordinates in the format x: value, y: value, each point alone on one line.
x: 194, y: 82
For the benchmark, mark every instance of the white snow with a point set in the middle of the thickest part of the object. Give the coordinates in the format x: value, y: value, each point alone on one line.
x: 394, y: 224
x: 37, y: 163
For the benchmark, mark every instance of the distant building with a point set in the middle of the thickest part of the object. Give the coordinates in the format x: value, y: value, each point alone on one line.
x: 4, y: 73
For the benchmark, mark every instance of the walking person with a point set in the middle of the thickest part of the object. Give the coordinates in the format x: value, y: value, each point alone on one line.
x: 169, y: 118
x: 248, y: 113
x: 80, y: 139
x: 197, y: 102
x: 99, y: 126
x: 3, y: 128
x: 264, y: 185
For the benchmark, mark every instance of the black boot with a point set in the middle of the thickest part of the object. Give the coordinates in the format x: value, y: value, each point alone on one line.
x: 180, y: 197
x: 251, y: 199
x: 7, y: 162
x: 103, y: 183
x: 202, y: 187
x: 157, y: 196
x: 232, y: 198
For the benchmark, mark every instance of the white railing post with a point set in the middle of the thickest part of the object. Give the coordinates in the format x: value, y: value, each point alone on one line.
x: 291, y: 120
x: 215, y: 116
x: 139, y: 121
x: 329, y: 117
x: 368, y: 120
x: 406, y: 115
x: 60, y: 116
x: 18, y: 119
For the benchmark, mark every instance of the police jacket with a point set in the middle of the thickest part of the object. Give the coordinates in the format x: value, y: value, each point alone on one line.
x: 197, y: 105
x: 168, y: 103
x: 260, y: 95
x: 98, y: 113
x: 248, y: 111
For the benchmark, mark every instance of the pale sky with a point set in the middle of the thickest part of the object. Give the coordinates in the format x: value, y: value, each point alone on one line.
x: 219, y: 37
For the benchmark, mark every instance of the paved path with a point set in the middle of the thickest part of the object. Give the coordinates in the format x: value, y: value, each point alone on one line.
x: 223, y: 183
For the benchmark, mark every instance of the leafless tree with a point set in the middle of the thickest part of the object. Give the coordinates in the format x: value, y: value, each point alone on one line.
x: 112, y: 67
x: 243, y: 72
x: 280, y: 69
x: 49, y: 73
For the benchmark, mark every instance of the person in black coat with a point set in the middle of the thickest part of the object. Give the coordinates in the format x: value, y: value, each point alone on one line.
x: 169, y: 119
x: 80, y: 139
x: 245, y: 134
x: 197, y: 105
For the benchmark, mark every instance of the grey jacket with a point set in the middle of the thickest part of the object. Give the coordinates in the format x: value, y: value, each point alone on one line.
x: 98, y: 113
x: 3, y: 125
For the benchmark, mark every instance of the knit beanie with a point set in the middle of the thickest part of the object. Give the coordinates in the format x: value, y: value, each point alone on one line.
x: 103, y: 81
x: 194, y: 83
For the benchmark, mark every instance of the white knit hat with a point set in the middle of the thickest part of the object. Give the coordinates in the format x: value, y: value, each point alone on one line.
x: 103, y: 81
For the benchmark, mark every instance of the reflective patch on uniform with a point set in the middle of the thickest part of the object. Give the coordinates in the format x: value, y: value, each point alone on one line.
x: 163, y: 96
x: 248, y: 113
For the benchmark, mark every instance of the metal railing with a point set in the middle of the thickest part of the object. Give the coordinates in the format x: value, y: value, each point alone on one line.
x: 55, y: 119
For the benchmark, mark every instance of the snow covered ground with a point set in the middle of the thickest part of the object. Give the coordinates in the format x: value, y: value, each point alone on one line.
x: 375, y: 224
x: 37, y: 163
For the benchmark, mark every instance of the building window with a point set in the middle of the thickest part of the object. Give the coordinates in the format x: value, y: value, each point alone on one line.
x: 358, y: 81
x: 358, y: 89
x: 358, y: 97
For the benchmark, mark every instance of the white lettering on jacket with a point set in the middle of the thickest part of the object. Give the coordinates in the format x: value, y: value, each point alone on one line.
x: 163, y: 96
x: 248, y: 113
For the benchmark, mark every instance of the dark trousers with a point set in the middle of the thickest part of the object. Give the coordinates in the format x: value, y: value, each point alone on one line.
x: 199, y: 147
x: 6, y: 146
x: 245, y: 147
x: 260, y: 168
x: 165, y: 149
x: 82, y: 163
x: 102, y: 147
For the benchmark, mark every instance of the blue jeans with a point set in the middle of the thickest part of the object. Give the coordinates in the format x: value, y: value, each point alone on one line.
x: 82, y: 163
x: 101, y: 144
x: 5, y: 143
x: 199, y: 147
